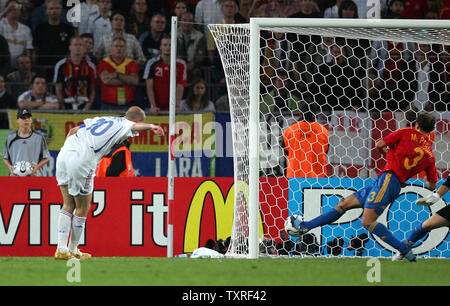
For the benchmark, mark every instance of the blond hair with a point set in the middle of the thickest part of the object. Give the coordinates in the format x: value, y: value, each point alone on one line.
x: 135, y: 113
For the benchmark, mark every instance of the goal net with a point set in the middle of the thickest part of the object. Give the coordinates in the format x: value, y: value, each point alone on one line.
x: 358, y: 80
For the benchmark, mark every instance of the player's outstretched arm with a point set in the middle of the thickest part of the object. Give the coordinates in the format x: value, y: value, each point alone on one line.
x: 142, y: 126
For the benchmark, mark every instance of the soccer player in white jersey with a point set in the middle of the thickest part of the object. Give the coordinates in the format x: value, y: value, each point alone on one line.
x: 76, y: 165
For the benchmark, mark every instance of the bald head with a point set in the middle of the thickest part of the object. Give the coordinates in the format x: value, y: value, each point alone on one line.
x: 135, y: 113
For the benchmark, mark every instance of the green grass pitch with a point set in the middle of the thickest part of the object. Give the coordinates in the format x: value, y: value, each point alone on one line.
x: 146, y: 271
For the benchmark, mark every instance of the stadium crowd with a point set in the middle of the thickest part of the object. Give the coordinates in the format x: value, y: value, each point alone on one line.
x: 117, y: 53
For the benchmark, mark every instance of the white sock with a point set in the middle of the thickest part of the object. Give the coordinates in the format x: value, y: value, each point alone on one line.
x: 78, y: 224
x: 64, y: 225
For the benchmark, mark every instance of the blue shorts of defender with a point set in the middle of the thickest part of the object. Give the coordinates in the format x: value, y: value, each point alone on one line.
x: 382, y: 193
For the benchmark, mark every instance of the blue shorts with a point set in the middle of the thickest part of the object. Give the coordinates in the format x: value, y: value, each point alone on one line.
x: 382, y: 193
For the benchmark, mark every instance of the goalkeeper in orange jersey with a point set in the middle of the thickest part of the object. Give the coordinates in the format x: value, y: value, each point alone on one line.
x: 408, y: 152
x: 307, y: 144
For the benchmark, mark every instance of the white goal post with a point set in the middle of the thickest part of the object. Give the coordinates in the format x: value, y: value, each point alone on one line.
x: 241, y: 53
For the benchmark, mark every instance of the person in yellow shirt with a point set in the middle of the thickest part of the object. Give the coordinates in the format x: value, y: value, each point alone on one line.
x: 306, y: 142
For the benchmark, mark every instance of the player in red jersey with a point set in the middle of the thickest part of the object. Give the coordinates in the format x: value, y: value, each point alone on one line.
x: 408, y: 152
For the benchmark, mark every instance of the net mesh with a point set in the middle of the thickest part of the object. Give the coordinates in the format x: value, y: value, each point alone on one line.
x: 358, y: 85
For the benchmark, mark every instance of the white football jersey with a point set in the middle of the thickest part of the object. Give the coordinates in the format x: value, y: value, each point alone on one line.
x: 98, y: 135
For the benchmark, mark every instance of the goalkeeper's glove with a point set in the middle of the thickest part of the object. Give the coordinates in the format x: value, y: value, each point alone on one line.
x: 428, y: 200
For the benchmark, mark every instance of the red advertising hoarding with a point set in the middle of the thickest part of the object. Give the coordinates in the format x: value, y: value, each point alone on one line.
x: 128, y: 216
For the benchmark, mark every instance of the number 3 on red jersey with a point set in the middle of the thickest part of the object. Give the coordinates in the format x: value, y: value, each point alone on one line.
x: 408, y: 164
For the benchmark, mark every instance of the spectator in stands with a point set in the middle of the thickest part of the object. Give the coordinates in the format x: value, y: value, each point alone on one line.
x: 197, y: 99
x: 428, y: 86
x: 389, y: 76
x: 26, y: 6
x: 277, y: 8
x: 180, y: 7
x: 134, y: 50
x: 415, y: 9
x: 39, y: 15
x: 281, y: 52
x: 38, y: 97
x: 51, y: 38
x: 444, y: 58
x: 177, y: 8
x: 88, y: 44
x: 280, y: 100
x: 395, y: 9
x: 18, y: 35
x: 356, y: 49
x: 320, y: 53
x: 19, y: 80
x: 191, y: 46
x: 100, y: 25
x: 208, y: 12
x: 317, y: 55
x: 157, y: 79
x: 339, y: 86
x: 308, y: 9
x: 7, y: 101
x: 254, y: 10
x: 229, y: 9
x: 138, y: 19
x: 332, y: 11
x: 5, y: 56
x: 278, y: 53
x: 119, y: 76
x: 75, y: 78
x: 348, y: 9
x: 88, y: 10
x: 243, y: 15
x: 150, y: 40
